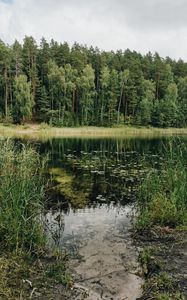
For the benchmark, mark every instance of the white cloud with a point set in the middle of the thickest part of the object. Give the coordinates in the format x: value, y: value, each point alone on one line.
x: 146, y: 25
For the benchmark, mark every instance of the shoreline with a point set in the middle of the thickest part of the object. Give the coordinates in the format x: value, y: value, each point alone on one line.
x: 163, y: 252
x: 43, y: 131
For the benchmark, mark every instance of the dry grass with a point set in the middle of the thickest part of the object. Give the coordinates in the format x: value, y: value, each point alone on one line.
x: 45, y: 132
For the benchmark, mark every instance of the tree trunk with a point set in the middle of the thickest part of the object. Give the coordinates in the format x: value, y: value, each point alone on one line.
x: 126, y: 106
x: 119, y: 106
x: 73, y: 101
x: 6, y: 93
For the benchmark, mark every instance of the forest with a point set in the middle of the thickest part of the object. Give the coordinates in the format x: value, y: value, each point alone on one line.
x: 80, y: 86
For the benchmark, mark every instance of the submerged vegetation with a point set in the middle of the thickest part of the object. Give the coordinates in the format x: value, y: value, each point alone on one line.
x: 65, y: 187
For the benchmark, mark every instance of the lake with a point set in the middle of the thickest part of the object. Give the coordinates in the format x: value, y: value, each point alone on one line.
x: 92, y: 205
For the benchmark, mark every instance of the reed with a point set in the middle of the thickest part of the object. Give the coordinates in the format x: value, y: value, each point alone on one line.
x: 163, y: 193
x: 21, y: 199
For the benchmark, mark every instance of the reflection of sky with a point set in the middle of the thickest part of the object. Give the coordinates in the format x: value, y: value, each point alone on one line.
x: 90, y: 221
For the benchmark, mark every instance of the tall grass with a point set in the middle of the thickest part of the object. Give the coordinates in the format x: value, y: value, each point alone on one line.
x: 163, y: 193
x: 21, y: 195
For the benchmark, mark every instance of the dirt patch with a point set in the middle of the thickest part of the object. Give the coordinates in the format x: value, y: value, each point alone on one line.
x: 168, y: 250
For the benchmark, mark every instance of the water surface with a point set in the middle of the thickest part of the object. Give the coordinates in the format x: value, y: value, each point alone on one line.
x: 93, y: 207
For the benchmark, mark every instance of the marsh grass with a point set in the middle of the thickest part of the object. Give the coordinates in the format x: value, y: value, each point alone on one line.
x: 44, y: 131
x: 163, y: 193
x: 21, y: 199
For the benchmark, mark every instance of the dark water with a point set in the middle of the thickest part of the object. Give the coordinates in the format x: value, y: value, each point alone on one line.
x: 92, y: 206
x: 97, y: 176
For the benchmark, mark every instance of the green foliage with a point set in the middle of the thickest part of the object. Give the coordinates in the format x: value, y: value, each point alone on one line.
x: 160, y: 211
x: 163, y: 192
x: 23, y: 276
x: 86, y: 86
x: 165, y: 288
x: 23, y: 99
x: 144, y: 115
x: 58, y: 272
x: 145, y: 112
x: 145, y: 259
x: 21, y: 195
x: 182, y: 103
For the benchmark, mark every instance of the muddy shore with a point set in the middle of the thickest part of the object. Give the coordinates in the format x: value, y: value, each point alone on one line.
x: 167, y: 255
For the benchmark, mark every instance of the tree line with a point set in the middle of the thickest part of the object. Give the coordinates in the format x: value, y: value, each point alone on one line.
x: 75, y: 86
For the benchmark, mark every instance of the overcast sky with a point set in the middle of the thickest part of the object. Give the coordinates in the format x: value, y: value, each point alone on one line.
x: 141, y: 25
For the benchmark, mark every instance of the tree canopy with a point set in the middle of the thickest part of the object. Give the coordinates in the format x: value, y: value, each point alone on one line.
x: 72, y: 86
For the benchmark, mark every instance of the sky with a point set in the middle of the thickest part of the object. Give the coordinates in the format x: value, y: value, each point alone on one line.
x: 140, y: 25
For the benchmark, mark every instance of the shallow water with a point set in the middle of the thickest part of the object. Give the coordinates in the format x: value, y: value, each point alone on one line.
x: 92, y: 210
x: 103, y: 259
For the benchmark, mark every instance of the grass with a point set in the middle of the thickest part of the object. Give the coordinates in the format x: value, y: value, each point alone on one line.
x: 159, y: 285
x: 27, y: 266
x: 21, y: 196
x: 26, y: 277
x: 162, y: 208
x: 43, y: 131
x: 163, y: 193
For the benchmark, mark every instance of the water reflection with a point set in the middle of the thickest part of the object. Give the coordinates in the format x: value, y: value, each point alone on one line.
x: 96, y: 176
x: 79, y: 226
x: 91, y: 207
